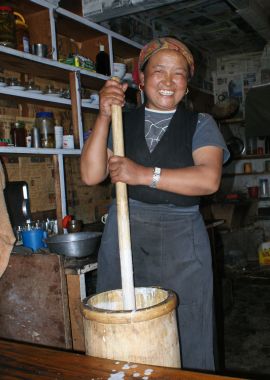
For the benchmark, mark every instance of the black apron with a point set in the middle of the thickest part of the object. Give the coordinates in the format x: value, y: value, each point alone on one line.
x: 170, y: 249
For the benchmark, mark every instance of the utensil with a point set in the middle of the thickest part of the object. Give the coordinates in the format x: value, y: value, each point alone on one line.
x: 123, y: 215
x: 41, y: 50
x: 77, y: 244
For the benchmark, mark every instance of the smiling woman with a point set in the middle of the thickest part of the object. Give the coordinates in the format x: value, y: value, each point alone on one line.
x: 173, y: 156
x: 164, y: 79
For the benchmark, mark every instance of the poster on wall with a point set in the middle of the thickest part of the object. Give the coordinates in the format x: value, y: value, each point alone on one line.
x: 236, y: 90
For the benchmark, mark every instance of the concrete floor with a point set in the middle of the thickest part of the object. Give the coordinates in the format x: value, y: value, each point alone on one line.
x: 247, y: 325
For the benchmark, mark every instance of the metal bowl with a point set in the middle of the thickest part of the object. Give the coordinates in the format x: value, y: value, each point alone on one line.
x: 78, y: 244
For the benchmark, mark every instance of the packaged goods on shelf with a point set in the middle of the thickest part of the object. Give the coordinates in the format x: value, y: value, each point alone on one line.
x: 79, y: 61
x: 264, y: 253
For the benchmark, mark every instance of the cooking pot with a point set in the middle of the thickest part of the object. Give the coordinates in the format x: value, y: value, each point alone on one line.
x: 225, y: 107
x: 236, y: 147
x: 77, y: 244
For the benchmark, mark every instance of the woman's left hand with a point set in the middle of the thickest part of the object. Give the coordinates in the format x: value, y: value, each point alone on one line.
x: 127, y: 171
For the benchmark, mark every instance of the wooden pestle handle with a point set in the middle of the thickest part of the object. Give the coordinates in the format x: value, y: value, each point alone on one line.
x: 123, y: 215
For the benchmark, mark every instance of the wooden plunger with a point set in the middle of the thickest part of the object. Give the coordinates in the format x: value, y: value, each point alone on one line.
x: 123, y: 215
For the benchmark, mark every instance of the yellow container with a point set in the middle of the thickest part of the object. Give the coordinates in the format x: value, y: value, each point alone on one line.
x: 264, y: 253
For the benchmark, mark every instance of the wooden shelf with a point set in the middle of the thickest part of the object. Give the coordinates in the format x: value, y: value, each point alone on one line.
x: 63, y: 32
x: 34, y: 98
x: 232, y: 121
x: 252, y: 157
x: 77, y: 28
x: 15, y: 60
x: 39, y: 151
x: 244, y: 174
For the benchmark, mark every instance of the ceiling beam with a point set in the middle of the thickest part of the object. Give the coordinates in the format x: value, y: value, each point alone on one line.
x: 128, y: 7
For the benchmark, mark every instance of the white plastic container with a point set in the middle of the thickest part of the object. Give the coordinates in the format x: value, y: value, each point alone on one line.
x: 58, y: 135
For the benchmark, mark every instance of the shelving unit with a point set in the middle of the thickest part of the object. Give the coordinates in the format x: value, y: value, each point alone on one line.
x: 253, y: 157
x: 246, y: 174
x: 61, y: 30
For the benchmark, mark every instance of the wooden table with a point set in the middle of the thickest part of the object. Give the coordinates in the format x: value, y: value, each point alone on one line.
x: 25, y: 361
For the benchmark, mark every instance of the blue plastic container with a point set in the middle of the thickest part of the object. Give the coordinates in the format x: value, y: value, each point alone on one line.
x: 33, y: 239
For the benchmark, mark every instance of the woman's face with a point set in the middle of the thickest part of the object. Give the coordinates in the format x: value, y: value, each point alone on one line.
x: 165, y: 79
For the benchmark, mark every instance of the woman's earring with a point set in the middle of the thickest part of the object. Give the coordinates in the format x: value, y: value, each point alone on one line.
x: 187, y: 91
x: 141, y: 87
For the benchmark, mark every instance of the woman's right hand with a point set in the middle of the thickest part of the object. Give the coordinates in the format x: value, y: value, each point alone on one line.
x: 111, y: 93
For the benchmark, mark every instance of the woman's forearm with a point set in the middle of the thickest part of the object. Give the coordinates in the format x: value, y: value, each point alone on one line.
x: 94, y: 158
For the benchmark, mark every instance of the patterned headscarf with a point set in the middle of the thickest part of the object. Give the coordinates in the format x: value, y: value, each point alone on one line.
x: 166, y: 43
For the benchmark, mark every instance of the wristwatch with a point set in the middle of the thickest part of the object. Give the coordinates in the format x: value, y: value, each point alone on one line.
x: 156, y: 177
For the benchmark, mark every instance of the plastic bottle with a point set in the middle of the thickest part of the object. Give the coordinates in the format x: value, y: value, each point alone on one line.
x: 22, y: 33
x: 18, y: 133
x: 58, y: 134
x: 103, y: 62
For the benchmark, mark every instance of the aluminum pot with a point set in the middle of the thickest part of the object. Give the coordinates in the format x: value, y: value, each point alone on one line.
x: 78, y: 244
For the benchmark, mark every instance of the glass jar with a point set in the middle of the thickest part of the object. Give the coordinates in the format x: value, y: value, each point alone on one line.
x: 22, y: 33
x: 7, y: 27
x: 45, y: 124
x: 18, y: 133
x: 264, y: 188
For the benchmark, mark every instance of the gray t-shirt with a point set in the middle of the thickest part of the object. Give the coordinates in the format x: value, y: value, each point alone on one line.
x: 206, y: 132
